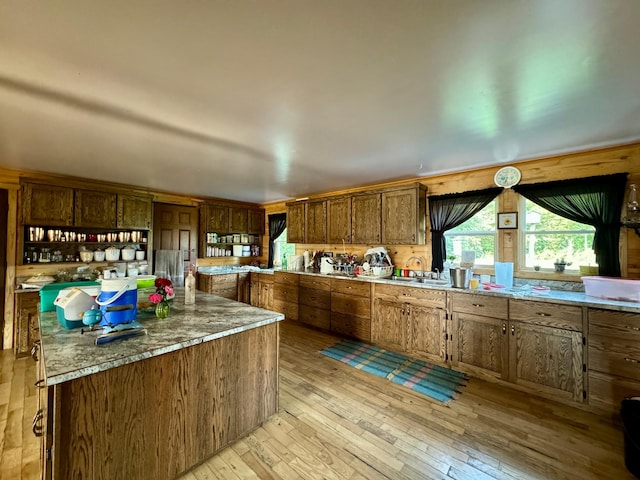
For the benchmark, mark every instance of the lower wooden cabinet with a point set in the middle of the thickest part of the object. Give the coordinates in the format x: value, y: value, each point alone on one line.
x: 254, y: 289
x: 224, y: 285
x: 26, y: 328
x: 427, y: 333
x: 265, y: 299
x: 389, y: 325
x: 351, y: 308
x: 285, y: 294
x: 314, y: 297
x: 614, y: 358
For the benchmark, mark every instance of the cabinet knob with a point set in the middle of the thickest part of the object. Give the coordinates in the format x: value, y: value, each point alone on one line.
x: 504, y: 328
x: 632, y: 360
x: 477, y: 305
x: 542, y: 314
x: 629, y: 327
x: 513, y: 330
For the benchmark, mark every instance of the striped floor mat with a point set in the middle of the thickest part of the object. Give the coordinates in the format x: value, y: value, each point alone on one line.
x: 435, y: 381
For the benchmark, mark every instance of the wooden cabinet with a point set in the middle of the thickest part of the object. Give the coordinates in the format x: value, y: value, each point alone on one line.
x: 314, y: 298
x: 256, y: 222
x: 480, y: 344
x: 26, y: 329
x: 134, y: 212
x: 285, y: 294
x: 238, y: 220
x: 216, y: 218
x: 224, y: 285
x: 244, y: 287
x: 365, y: 218
x: 614, y: 358
x: 266, y: 291
x: 536, y: 345
x: 95, y: 208
x: 254, y: 289
x: 42, y: 425
x: 295, y: 222
x: 47, y: 205
x: 411, y: 320
x: 404, y: 216
x: 339, y: 220
x: 351, y: 308
x: 316, y: 222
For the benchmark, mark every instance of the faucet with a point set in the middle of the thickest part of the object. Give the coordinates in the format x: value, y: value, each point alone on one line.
x: 437, y: 274
x: 420, y: 260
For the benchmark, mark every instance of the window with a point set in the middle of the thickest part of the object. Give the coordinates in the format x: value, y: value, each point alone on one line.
x: 548, y: 237
x: 477, y: 234
x: 281, y: 248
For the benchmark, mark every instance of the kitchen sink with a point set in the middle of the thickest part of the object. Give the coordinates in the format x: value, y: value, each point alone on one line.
x: 424, y: 281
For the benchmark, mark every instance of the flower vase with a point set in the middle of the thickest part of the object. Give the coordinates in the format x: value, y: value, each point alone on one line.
x: 162, y: 309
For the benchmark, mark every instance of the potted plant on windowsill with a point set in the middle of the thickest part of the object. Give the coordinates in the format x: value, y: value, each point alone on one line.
x: 560, y: 265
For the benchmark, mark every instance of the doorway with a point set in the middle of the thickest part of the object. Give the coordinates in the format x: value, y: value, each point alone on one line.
x: 4, y: 207
x: 175, y: 227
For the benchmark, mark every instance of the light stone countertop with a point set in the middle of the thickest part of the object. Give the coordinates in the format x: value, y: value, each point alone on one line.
x: 69, y: 354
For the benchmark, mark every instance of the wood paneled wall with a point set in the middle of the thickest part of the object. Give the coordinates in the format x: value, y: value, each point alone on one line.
x: 625, y: 158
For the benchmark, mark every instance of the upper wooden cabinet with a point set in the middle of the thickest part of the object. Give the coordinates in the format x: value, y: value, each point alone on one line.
x: 295, y: 222
x: 404, y: 216
x: 316, y: 221
x: 216, y: 218
x: 339, y: 220
x: 238, y: 220
x: 134, y: 212
x: 256, y: 222
x: 365, y: 218
x: 47, y: 205
x: 95, y: 209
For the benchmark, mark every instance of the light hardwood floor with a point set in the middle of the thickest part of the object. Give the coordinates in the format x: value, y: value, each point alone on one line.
x: 336, y: 422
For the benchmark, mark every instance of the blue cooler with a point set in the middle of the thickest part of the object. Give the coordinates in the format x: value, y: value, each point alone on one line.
x: 118, y: 300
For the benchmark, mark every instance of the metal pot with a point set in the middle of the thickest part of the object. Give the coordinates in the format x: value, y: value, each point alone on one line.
x: 460, y: 277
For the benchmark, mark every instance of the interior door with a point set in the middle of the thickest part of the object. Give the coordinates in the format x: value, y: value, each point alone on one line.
x: 175, y: 227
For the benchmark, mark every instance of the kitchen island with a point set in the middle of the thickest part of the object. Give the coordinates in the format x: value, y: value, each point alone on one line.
x: 154, y: 406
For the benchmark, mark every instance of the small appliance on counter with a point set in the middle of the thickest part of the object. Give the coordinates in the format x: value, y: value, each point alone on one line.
x: 71, y: 303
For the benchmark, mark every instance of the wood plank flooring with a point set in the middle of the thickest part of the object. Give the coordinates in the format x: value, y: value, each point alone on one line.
x: 336, y: 422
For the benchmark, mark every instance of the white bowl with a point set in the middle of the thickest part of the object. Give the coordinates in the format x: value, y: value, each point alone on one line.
x: 99, y: 255
x: 86, y: 255
x: 128, y: 254
x: 112, y: 254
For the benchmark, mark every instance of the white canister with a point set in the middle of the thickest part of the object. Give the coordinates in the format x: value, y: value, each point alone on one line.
x: 237, y: 250
x: 112, y: 254
x: 139, y: 254
x: 128, y: 253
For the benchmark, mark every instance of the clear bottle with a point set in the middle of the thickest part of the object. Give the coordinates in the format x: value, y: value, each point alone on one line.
x: 190, y: 289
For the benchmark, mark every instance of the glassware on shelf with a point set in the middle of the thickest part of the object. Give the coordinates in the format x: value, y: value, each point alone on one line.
x: 633, y: 209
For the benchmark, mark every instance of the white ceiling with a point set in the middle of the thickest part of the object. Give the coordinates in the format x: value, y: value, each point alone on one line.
x: 269, y: 99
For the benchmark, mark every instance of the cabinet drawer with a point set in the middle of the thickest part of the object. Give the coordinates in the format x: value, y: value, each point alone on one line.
x: 547, y: 314
x: 606, y: 392
x: 351, y: 326
x: 314, y: 316
x: 485, y: 305
x: 615, y: 324
x: 290, y: 310
x: 350, y: 305
x: 288, y: 293
x: 314, y: 298
x: 419, y: 296
x: 285, y: 278
x: 313, y: 281
x: 226, y: 292
x: 351, y: 287
x: 266, y: 278
x: 614, y: 356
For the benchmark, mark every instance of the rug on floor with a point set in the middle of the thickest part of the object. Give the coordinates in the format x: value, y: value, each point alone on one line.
x: 437, y: 382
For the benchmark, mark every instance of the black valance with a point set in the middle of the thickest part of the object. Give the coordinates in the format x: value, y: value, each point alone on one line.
x: 450, y: 210
x: 595, y: 201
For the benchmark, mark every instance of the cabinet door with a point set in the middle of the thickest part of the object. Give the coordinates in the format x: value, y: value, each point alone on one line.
x: 239, y: 221
x: 480, y: 345
x: 255, y: 290
x: 244, y: 288
x: 26, y: 326
x: 365, y: 218
x: 427, y: 333
x: 256, y: 219
x: 266, y: 296
x: 134, y: 212
x: 339, y: 220
x: 95, y: 209
x: 47, y: 205
x: 217, y: 219
x: 547, y: 358
x: 403, y: 223
x: 295, y: 223
x: 316, y: 222
x: 389, y: 325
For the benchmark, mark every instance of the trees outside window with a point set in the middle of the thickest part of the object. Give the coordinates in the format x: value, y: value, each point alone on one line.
x: 281, y: 248
x: 548, y: 237
x: 477, y: 234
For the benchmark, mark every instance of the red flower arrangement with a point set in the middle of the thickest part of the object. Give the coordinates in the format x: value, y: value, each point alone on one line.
x: 164, y: 288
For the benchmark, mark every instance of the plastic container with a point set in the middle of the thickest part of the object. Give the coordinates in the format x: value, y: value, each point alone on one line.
x: 71, y: 303
x: 118, y: 301
x: 504, y: 274
x: 49, y: 293
x: 146, y: 281
x: 630, y: 413
x: 621, y: 289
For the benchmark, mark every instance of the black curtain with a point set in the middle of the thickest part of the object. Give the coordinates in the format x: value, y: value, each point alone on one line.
x: 277, y: 224
x: 596, y: 201
x: 450, y: 210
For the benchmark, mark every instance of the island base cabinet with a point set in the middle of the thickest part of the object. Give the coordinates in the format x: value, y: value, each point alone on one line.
x: 158, y: 417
